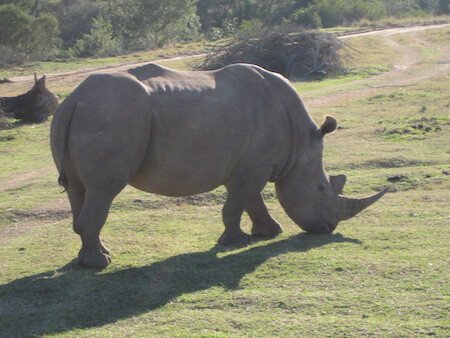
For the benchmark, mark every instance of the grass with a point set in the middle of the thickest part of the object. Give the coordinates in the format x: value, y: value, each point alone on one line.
x: 383, y: 273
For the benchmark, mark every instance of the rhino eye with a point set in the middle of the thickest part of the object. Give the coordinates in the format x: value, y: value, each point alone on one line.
x: 321, y: 187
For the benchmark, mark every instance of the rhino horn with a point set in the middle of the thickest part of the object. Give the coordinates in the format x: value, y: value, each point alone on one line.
x: 352, y: 206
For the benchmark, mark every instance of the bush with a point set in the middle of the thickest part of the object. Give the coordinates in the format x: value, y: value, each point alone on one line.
x: 45, y: 39
x: 76, y: 18
x: 401, y: 8
x: 25, y: 37
x: 339, y: 12
x: 251, y: 27
x: 295, y: 55
x: 10, y: 57
x: 307, y: 17
x: 14, y: 25
x: 98, y: 42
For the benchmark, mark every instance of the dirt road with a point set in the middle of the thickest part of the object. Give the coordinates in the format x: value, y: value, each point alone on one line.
x: 408, y: 69
x: 83, y: 73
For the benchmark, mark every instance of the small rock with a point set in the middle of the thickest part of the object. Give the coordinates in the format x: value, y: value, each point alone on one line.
x: 395, y: 178
x: 137, y: 201
x: 445, y: 172
x: 5, y: 80
x: 365, y: 315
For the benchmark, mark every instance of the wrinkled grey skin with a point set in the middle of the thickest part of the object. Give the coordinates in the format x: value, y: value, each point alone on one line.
x: 182, y: 133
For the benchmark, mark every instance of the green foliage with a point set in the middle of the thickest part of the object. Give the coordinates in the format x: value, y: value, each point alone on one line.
x: 25, y: 37
x: 23, y: 4
x: 307, y: 17
x: 251, y: 27
x: 338, y: 12
x: 76, y: 18
x: 45, y: 36
x: 156, y: 22
x: 14, y: 25
x: 100, y: 41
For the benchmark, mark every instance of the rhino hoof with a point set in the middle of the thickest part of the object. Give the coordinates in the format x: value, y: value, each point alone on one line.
x: 266, y: 230
x: 234, y: 238
x: 93, y: 259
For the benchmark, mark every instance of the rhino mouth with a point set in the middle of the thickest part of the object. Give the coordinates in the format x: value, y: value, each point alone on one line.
x: 320, y: 227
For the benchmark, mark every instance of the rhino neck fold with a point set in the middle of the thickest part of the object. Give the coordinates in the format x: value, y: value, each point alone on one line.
x: 296, y: 140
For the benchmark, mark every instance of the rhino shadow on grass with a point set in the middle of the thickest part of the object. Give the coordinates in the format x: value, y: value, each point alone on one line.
x: 74, y: 298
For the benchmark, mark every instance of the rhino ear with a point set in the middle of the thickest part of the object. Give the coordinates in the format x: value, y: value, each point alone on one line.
x: 337, y: 183
x: 41, y: 81
x: 328, y: 126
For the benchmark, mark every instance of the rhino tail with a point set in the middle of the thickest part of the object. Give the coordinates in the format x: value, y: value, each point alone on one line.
x: 59, y: 135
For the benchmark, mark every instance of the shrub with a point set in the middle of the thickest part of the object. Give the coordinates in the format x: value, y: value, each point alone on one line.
x: 25, y: 37
x: 99, y: 41
x: 45, y: 39
x: 14, y: 25
x: 251, y: 27
x: 339, y: 12
x: 76, y: 18
x: 295, y: 55
x: 307, y: 17
x: 401, y: 8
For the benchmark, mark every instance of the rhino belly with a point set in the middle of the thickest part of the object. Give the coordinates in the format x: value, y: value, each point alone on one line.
x: 187, y: 168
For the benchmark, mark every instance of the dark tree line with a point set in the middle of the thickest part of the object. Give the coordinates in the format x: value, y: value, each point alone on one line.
x: 41, y: 29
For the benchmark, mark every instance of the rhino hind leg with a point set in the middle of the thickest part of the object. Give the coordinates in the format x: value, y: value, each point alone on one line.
x: 263, y: 223
x: 92, y: 217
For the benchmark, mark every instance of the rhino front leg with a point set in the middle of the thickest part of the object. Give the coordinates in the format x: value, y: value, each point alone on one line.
x: 231, y: 216
x: 241, y: 193
x: 263, y: 224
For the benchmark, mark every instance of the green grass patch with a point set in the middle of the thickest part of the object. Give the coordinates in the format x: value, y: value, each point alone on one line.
x: 352, y: 75
x: 413, y: 129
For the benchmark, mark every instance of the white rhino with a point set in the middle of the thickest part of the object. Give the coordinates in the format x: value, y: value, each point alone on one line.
x: 178, y: 133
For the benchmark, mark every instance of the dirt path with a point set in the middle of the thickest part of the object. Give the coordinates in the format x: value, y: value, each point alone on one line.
x: 25, y: 221
x: 407, y: 71
x: 83, y: 73
x: 19, y: 179
x: 112, y: 68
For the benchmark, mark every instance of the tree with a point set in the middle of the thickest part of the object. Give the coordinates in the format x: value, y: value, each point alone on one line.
x: 14, y: 24
x: 24, y: 37
x: 154, y: 20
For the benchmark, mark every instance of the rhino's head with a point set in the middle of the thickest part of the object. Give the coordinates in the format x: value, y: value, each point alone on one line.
x: 310, y: 197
